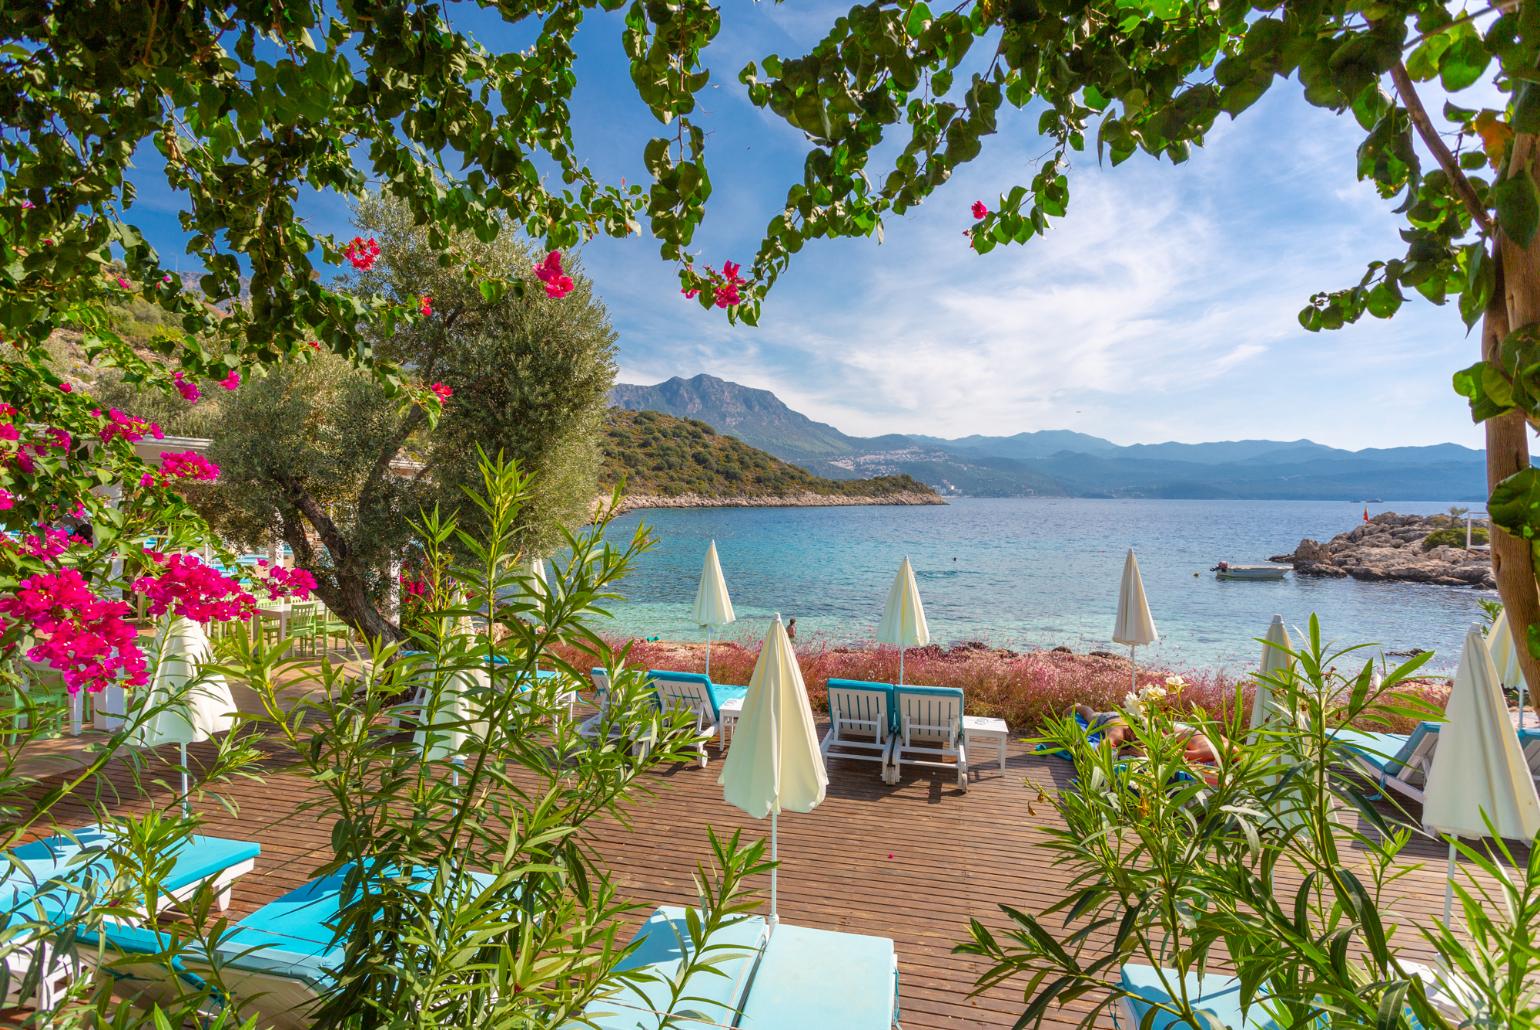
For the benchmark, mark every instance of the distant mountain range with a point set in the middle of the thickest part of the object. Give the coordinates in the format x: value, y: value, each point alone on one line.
x: 1058, y: 462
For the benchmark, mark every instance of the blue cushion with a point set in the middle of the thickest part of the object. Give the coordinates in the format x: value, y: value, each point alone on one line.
x: 715, y: 997
x: 50, y: 866
x: 1387, y: 752
x: 719, y: 694
x: 886, y: 688
x: 793, y: 986
x: 295, y: 935
x: 1213, y: 995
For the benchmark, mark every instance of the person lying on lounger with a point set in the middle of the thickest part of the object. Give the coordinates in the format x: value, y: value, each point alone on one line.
x: 1115, y: 732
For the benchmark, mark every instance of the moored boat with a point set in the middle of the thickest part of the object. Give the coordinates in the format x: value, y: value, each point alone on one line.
x: 1230, y: 570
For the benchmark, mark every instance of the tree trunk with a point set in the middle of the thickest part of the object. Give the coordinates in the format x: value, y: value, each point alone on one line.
x: 343, y: 590
x: 1515, y: 303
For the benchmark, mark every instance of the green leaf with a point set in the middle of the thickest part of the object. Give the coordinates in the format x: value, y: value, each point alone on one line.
x: 1518, y: 207
x: 1489, y: 392
x: 1526, y: 108
x: 1462, y: 64
x: 1515, y: 504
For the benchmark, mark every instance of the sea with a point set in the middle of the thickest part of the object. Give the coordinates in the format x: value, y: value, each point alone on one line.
x: 1030, y: 573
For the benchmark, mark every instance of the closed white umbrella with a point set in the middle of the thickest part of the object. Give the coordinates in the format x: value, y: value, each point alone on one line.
x: 182, y: 704
x: 774, y: 763
x: 451, y: 716
x: 1478, y: 772
x: 1276, y: 660
x: 1505, y: 656
x: 903, y: 617
x: 713, y: 608
x: 1135, y: 626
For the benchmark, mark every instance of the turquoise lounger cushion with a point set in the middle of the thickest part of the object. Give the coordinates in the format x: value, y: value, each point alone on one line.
x: 884, y: 688
x: 291, y: 937
x: 905, y: 689
x: 1387, y: 752
x: 716, y: 998
x: 720, y: 694
x: 793, y: 987
x: 50, y: 865
x: 1213, y: 995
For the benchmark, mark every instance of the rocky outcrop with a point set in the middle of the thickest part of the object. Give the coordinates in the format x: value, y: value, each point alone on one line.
x: 1394, y: 547
x: 802, y: 500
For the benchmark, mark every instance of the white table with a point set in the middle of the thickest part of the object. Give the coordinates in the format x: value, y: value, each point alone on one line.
x: 981, y: 728
x: 727, y: 721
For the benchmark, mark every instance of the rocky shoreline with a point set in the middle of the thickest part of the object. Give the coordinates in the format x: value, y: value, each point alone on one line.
x: 1397, y: 548
x: 632, y: 502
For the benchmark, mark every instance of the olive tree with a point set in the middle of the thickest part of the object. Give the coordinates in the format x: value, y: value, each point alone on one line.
x: 318, y: 452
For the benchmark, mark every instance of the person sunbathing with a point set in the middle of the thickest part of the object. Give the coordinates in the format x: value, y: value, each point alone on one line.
x: 1197, y: 747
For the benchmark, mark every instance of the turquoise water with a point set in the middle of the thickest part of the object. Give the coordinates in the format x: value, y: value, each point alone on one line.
x: 1031, y: 573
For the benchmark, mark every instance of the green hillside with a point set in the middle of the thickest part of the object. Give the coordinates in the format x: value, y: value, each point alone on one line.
x: 665, y: 456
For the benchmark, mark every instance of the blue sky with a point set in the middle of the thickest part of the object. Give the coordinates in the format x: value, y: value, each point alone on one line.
x: 1161, y: 308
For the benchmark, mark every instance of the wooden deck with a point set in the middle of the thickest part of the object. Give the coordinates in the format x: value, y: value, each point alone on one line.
x: 912, y: 862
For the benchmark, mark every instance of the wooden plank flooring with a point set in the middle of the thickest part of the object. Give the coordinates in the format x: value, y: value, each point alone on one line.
x: 912, y: 861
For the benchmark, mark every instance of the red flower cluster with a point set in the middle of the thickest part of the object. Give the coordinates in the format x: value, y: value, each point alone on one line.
x: 411, y: 586
x: 82, y: 636
x: 231, y: 381
x: 280, y: 582
x: 189, y: 588
x: 442, y: 392
x: 126, y: 426
x: 361, y: 252
x: 188, y: 465
x: 48, y: 543
x: 425, y: 306
x: 980, y: 211
x: 557, y: 283
x: 7, y: 500
x: 724, y: 285
x: 189, y: 391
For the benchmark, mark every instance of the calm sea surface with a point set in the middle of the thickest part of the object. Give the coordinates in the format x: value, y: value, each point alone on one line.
x: 1029, y: 573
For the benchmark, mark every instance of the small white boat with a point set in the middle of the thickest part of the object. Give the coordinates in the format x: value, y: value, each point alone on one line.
x: 1229, y: 570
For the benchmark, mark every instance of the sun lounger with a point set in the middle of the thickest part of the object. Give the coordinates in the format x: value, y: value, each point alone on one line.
x: 1396, y: 760
x: 278, y: 961
x: 690, y: 693
x: 861, y: 719
x: 1212, y: 994
x: 930, y: 730
x: 47, y: 879
x: 1529, y: 740
x: 783, y: 981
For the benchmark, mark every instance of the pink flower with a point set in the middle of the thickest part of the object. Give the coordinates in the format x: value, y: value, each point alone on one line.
x: 188, y: 465
x: 314, y: 344
x: 77, y: 633
x: 231, y: 381
x: 361, y: 252
x: 58, y: 439
x: 66, y: 387
x: 166, y: 279
x: 187, y: 587
x: 979, y: 210
x: 557, y: 284
x: 7, y: 501
x: 425, y: 305
x: 26, y: 205
x: 189, y: 390
x: 8, y: 431
x: 442, y: 392
x: 123, y: 283
x: 126, y: 427
x: 280, y: 582
x: 147, y: 479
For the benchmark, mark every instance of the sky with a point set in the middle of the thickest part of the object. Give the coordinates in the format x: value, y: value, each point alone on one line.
x: 1162, y: 307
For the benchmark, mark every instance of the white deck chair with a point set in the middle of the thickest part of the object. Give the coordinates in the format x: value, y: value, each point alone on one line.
x: 694, y: 697
x: 930, y: 731
x: 591, y: 728
x: 1395, y: 760
x: 861, y: 723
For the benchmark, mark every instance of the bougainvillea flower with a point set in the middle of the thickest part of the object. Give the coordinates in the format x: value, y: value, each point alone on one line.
x: 231, y: 381
x: 82, y: 636
x: 7, y: 501
x: 361, y: 252
x: 557, y: 283
x: 123, y: 283
x: 187, y: 587
x: 188, y: 465
x: 66, y: 387
x: 442, y: 392
x: 425, y: 306
x: 189, y: 391
x: 979, y: 210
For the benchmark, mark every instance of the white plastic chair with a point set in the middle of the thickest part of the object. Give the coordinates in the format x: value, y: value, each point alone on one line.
x: 930, y: 731
x: 860, y: 723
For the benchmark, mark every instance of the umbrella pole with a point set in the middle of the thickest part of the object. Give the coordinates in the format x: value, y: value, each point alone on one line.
x: 1133, y: 670
x: 900, y: 664
x: 774, y: 860
x: 1521, y: 702
x: 1449, y: 886
x: 708, y: 652
x: 186, y: 806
